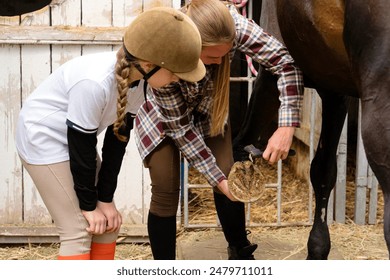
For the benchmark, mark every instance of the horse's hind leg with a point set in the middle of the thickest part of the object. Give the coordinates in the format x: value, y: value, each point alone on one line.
x: 376, y: 140
x: 323, y: 172
x: 370, y: 60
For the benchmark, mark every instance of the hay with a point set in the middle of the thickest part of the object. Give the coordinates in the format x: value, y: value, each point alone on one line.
x: 29, y: 252
x: 294, y: 199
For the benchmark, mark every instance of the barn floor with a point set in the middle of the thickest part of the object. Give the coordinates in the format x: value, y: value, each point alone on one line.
x: 213, y: 247
x: 349, y: 242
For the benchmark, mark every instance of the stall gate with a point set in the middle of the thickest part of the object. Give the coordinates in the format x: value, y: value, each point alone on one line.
x: 365, y: 181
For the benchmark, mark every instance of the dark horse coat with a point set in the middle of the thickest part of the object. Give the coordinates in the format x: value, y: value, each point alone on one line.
x: 343, y: 48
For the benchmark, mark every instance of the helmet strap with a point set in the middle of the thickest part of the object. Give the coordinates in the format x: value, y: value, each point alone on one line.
x: 146, y: 77
x: 130, y: 57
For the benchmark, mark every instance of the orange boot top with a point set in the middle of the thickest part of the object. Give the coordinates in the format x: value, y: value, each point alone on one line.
x: 75, y: 257
x: 103, y: 251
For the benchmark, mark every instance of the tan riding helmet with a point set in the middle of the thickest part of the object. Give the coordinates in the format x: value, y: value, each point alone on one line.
x: 169, y: 39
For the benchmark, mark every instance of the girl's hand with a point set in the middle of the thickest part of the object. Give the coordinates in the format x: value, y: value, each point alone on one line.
x: 114, y: 218
x: 223, y: 187
x: 279, y: 144
x: 96, y: 220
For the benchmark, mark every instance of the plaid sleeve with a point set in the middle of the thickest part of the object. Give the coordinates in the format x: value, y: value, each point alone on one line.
x: 274, y: 57
x: 177, y: 124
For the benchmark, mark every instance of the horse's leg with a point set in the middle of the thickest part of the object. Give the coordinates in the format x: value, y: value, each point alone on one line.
x: 260, y: 120
x: 370, y: 60
x: 323, y: 171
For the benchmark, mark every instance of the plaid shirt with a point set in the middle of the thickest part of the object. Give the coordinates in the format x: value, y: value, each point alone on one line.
x: 181, y: 110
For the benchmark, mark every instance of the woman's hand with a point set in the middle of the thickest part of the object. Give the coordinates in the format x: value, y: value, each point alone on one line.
x: 96, y: 220
x: 223, y: 187
x: 279, y: 144
x: 114, y: 218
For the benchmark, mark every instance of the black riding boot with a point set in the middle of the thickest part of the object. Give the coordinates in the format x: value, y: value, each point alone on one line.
x: 162, y: 236
x: 232, y: 218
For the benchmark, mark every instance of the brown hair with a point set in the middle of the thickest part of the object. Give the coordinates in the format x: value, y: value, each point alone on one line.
x: 122, y: 74
x: 216, y: 27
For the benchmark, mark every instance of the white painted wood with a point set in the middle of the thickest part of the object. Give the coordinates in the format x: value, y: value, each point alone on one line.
x: 44, y: 35
x: 9, y: 21
x: 40, y: 17
x: 11, y: 181
x: 10, y: 167
x: 62, y: 53
x: 67, y: 13
x: 125, y: 11
x: 176, y: 4
x: 148, y: 4
x: 96, y: 13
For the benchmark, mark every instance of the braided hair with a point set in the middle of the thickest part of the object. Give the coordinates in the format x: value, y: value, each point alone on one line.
x: 122, y: 74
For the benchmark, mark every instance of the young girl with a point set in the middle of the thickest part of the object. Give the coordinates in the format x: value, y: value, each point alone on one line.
x: 192, y: 118
x: 59, y: 122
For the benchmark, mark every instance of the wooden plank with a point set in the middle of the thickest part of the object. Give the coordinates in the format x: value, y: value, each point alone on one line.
x: 148, y: 4
x: 11, y: 191
x: 39, y: 17
x: 22, y: 234
x: 96, y: 13
x: 66, y: 13
x: 76, y: 35
x: 62, y: 53
x: 9, y: 21
x: 125, y: 11
x: 90, y: 49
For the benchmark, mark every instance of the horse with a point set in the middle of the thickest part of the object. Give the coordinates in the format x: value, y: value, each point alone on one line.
x: 343, y: 50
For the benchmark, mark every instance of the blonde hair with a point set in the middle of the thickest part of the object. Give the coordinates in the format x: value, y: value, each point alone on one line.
x: 216, y: 27
x: 122, y: 74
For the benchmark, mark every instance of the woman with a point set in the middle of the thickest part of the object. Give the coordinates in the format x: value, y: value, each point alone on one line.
x: 192, y: 118
x: 59, y: 123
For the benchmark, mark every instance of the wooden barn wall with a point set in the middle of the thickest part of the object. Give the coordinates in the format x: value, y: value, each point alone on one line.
x: 31, y: 47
